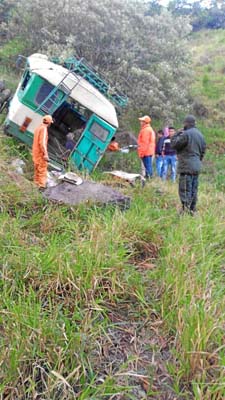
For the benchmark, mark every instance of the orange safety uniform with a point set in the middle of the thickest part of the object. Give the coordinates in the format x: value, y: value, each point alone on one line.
x: 146, y: 141
x: 113, y: 146
x: 40, y: 155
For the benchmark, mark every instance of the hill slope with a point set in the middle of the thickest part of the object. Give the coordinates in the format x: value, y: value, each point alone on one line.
x: 102, y: 304
x: 208, y: 53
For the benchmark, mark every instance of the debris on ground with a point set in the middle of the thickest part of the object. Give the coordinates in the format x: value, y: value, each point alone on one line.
x: 55, y: 177
x: 18, y: 165
x: 71, y: 177
x: 128, y: 177
x: 127, y: 149
x: 88, y: 192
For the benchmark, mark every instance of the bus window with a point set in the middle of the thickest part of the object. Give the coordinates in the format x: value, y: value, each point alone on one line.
x: 43, y: 92
x: 98, y: 130
x: 26, y: 79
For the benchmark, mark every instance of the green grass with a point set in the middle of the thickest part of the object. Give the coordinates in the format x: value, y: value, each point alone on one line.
x: 67, y: 273
x: 208, y: 49
x: 9, y: 77
x: 9, y: 52
x: 193, y: 284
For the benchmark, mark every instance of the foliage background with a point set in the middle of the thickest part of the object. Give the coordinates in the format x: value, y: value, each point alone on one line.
x: 144, y: 54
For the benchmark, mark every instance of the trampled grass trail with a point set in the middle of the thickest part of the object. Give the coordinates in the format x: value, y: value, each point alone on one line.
x: 99, y: 303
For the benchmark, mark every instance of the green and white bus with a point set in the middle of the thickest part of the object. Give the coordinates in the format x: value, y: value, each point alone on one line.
x: 79, y: 101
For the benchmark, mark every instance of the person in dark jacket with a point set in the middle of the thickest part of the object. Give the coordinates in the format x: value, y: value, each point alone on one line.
x: 190, y: 146
x: 158, y: 153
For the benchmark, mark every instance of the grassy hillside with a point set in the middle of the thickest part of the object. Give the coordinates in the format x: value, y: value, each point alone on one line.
x: 208, y: 53
x: 99, y: 303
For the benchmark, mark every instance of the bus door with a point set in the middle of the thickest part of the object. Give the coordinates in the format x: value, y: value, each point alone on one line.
x: 92, y: 144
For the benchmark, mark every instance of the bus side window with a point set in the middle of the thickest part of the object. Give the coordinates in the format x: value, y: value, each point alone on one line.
x: 25, y: 80
x: 46, y: 91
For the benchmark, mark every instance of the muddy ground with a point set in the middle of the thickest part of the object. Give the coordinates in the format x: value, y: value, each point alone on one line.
x: 88, y: 193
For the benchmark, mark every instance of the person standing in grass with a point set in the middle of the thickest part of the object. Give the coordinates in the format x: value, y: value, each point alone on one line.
x: 169, y: 156
x: 190, y: 147
x: 40, y: 152
x: 158, y: 153
x: 146, y: 145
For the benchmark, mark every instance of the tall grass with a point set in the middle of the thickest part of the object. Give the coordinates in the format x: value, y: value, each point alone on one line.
x: 193, y: 299
x: 65, y: 271
x: 207, y: 49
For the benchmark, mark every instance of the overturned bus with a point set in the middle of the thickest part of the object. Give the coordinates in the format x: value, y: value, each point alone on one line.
x: 79, y: 100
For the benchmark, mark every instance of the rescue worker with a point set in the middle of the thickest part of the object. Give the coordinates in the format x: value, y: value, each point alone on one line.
x: 146, y: 144
x: 190, y: 147
x: 40, y: 152
x: 113, y: 145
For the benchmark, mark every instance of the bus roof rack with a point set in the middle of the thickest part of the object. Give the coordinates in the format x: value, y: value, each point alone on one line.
x: 83, y: 68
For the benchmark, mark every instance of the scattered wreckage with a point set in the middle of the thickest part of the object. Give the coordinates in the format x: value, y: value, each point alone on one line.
x: 78, y: 99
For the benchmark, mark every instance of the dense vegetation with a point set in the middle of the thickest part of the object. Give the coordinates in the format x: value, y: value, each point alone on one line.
x: 208, y: 86
x: 203, y: 14
x: 145, y: 56
x: 139, y: 47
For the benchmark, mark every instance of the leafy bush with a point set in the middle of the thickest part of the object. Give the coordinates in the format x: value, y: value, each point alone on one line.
x: 145, y: 55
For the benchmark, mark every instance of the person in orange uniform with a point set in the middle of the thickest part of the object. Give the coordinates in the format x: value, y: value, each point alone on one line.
x: 40, y: 152
x: 146, y: 145
x: 113, y: 145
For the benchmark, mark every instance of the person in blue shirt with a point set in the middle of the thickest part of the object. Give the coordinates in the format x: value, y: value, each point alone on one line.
x: 169, y: 156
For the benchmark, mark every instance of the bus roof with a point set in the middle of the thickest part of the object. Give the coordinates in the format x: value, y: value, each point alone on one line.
x: 81, y: 90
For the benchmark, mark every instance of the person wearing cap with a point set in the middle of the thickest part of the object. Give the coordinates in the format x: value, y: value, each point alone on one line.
x: 146, y: 144
x: 190, y: 146
x: 40, y: 152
